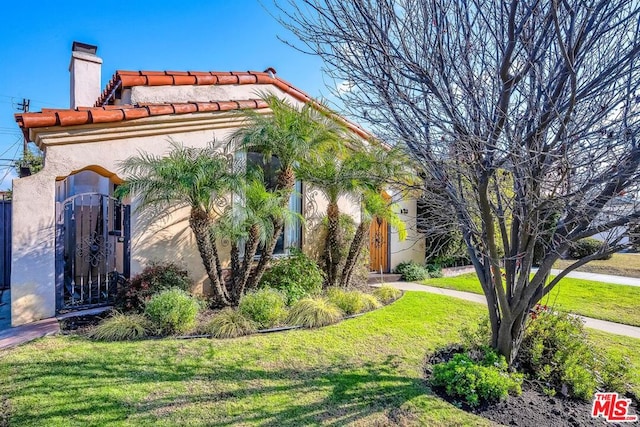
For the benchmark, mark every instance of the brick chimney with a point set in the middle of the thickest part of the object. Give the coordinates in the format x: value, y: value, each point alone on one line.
x: 85, y: 69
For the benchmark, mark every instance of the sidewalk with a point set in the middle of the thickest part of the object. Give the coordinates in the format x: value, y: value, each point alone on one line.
x: 601, y: 325
x: 21, y: 334
x: 604, y: 278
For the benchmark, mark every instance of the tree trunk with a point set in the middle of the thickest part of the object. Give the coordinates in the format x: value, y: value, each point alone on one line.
x: 266, y: 256
x: 354, y: 253
x: 332, y: 246
x: 201, y: 224
x: 509, y: 336
x: 234, y: 283
x: 250, y: 249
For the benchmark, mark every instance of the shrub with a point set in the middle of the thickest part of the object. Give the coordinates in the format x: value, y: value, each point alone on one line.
x: 153, y: 279
x: 434, y: 270
x: 555, y: 351
x: 585, y: 247
x: 229, y: 323
x: 266, y: 307
x: 370, y: 302
x: 412, y: 271
x: 476, y: 382
x: 173, y: 311
x: 296, y: 277
x: 386, y: 293
x: 313, y: 312
x: 350, y: 302
x: 121, y: 327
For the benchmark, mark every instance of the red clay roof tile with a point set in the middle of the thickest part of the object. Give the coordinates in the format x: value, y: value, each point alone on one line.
x: 104, y: 112
x: 118, y: 113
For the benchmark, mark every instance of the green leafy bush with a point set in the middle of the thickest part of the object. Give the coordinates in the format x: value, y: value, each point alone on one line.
x: 556, y: 352
x: 350, y: 302
x: 313, y: 312
x: 435, y: 270
x: 229, y: 323
x: 585, y: 247
x: 412, y: 271
x: 173, y: 311
x: 296, y: 277
x: 121, y: 327
x: 266, y: 307
x: 153, y: 279
x: 386, y: 293
x: 475, y: 382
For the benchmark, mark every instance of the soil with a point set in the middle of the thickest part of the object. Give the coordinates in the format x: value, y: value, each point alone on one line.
x: 82, y: 322
x: 532, y: 408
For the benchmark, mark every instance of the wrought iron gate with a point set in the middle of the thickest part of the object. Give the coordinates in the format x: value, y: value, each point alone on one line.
x: 92, y: 250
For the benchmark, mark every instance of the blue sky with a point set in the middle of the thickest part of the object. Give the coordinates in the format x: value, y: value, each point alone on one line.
x: 196, y: 35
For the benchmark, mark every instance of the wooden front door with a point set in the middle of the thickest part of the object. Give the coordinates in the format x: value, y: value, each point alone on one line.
x: 379, y: 245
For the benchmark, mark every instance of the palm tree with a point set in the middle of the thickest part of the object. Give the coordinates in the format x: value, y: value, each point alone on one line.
x: 374, y: 207
x: 290, y: 136
x: 186, y: 177
x: 359, y: 171
x: 335, y: 172
x: 251, y: 219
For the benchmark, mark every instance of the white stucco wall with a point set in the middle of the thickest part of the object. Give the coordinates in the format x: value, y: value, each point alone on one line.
x: 413, y: 247
x: 71, y: 149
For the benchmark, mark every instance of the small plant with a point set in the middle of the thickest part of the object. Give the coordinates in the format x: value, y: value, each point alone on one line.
x: 587, y: 246
x: 296, y: 277
x: 556, y: 352
x: 370, y: 302
x: 411, y: 271
x: 173, y: 311
x: 475, y: 382
x: 121, y: 327
x: 153, y: 279
x: 350, y: 302
x: 386, y: 293
x: 266, y: 307
x: 313, y: 312
x: 229, y: 323
x: 435, y: 270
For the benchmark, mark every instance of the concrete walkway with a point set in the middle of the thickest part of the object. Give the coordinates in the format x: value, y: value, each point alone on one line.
x: 13, y: 337
x: 21, y: 334
x: 604, y: 278
x: 601, y: 325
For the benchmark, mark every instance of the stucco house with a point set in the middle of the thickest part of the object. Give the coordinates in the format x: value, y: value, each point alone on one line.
x: 70, y: 234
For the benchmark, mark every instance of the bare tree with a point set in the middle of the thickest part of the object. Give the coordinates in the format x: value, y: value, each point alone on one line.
x: 524, y: 114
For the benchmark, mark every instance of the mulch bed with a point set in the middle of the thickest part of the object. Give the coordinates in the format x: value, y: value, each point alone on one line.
x: 532, y: 408
x: 82, y: 322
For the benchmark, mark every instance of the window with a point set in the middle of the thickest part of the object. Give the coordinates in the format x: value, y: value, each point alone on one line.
x: 291, y: 237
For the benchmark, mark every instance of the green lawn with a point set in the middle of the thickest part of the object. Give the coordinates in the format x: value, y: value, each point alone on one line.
x: 619, y: 264
x: 604, y: 301
x: 364, y: 371
x: 617, y: 345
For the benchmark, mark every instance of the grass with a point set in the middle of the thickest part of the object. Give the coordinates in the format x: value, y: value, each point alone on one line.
x: 605, y: 301
x: 619, y: 265
x: 619, y: 345
x: 363, y: 371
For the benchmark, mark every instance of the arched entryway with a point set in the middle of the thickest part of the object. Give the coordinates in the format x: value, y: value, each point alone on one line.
x: 379, y: 243
x: 92, y: 239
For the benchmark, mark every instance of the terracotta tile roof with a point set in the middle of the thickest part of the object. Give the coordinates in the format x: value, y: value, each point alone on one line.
x: 102, y: 112
x: 117, y: 113
x: 122, y: 79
